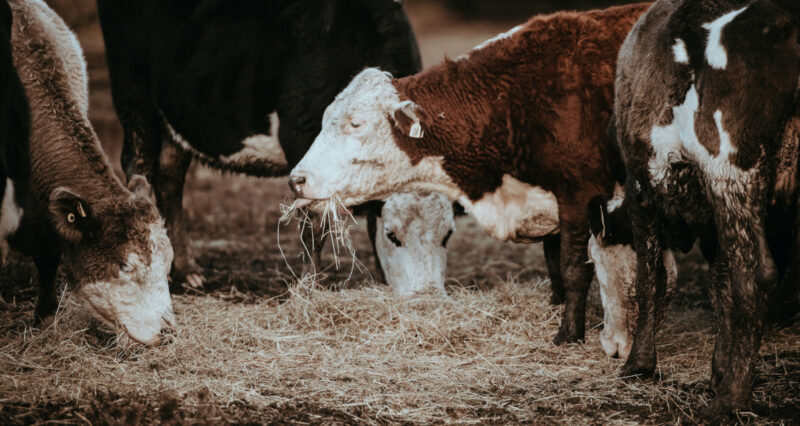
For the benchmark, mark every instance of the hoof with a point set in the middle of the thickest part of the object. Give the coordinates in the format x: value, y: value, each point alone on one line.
x: 564, y: 337
x: 557, y: 299
x: 195, y: 281
x: 639, y: 369
x: 718, y: 412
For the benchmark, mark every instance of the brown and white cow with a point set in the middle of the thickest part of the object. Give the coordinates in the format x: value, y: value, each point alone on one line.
x: 515, y: 131
x: 109, y: 240
x: 705, y: 90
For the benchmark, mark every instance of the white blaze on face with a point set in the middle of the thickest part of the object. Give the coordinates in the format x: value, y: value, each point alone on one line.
x: 355, y: 155
x: 411, y: 241
x: 516, y: 210
x: 615, y: 268
x: 716, y: 55
x: 138, y: 300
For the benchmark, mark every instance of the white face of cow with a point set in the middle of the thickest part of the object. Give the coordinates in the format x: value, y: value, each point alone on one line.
x: 355, y: 155
x: 411, y: 241
x: 118, y: 255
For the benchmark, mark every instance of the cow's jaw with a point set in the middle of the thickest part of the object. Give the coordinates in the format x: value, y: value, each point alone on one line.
x: 137, y: 302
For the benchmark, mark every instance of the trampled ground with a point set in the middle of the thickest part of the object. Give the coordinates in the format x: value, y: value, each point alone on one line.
x: 257, y: 346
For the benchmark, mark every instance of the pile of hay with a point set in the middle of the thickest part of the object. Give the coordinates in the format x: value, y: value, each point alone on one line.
x: 364, y: 355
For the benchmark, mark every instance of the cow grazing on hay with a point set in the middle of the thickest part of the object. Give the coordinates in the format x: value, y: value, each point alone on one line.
x: 241, y: 86
x: 515, y: 131
x: 109, y: 240
x: 706, y: 95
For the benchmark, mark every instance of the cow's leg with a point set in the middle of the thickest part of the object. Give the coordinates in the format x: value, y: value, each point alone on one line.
x: 46, y: 301
x: 651, y: 280
x: 313, y: 237
x: 168, y: 184
x: 576, y: 271
x: 372, y: 230
x: 740, y: 300
x: 552, y: 255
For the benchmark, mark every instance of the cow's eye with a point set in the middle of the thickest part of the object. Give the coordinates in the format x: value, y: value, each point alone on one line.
x: 447, y: 238
x: 393, y: 238
x: 126, y: 268
x: 355, y: 124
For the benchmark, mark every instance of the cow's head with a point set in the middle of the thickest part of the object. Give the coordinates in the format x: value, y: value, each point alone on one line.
x: 411, y: 240
x: 358, y: 154
x: 118, y: 256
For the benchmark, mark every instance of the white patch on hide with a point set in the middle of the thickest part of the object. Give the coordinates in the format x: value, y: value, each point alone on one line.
x: 257, y: 148
x: 725, y: 146
x: 679, y: 139
x: 716, y: 55
x: 516, y: 210
x: 680, y: 52
x: 420, y: 222
x: 617, y: 200
x: 10, y: 213
x: 138, y: 300
x: 498, y: 37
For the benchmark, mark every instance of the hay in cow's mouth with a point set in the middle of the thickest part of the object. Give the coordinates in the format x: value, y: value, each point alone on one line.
x: 335, y: 220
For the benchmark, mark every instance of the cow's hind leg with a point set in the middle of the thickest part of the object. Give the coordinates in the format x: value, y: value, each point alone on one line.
x: 577, y: 274
x: 740, y: 301
x: 169, y: 181
x: 552, y: 254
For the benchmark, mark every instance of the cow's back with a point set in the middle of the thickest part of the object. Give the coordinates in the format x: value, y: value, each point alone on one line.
x: 218, y: 69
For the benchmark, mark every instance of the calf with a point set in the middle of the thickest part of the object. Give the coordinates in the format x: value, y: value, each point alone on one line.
x: 109, y: 240
x: 211, y: 79
x: 515, y: 131
x: 412, y: 234
x: 705, y: 89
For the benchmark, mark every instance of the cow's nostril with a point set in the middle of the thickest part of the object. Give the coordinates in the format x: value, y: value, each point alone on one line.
x: 296, y: 184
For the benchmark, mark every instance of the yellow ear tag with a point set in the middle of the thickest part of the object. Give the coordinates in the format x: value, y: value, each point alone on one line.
x: 81, y: 211
x: 71, y: 218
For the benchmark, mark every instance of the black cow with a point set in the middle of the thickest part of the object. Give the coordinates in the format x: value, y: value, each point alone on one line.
x: 207, y: 79
x: 15, y: 164
x: 706, y: 117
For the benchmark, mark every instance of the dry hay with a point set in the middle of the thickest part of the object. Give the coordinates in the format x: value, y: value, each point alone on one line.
x: 475, y: 356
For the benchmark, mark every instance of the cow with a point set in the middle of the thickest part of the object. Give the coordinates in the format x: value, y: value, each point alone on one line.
x: 108, y: 239
x: 411, y: 235
x: 15, y: 164
x: 706, y: 94
x: 515, y: 131
x: 240, y: 86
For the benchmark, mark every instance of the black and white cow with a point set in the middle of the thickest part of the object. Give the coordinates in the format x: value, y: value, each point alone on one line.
x: 211, y: 79
x: 706, y: 95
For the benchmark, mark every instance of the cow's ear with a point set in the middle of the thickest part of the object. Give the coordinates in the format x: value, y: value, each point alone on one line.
x: 71, y: 215
x: 598, y: 216
x: 407, y: 118
x: 139, y: 186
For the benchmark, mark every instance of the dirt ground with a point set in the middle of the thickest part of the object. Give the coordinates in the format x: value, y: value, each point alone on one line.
x: 255, y: 346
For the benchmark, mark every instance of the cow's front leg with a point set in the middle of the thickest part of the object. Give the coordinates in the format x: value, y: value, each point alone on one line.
x: 577, y: 274
x: 313, y: 237
x: 650, y: 280
x: 552, y: 255
x: 740, y: 301
x: 169, y: 181
x: 46, y: 301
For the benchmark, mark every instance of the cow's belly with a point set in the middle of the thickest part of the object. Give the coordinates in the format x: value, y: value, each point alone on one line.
x: 517, y: 211
x: 260, y: 154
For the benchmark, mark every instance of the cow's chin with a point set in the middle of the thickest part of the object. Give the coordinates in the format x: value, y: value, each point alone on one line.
x: 137, y: 316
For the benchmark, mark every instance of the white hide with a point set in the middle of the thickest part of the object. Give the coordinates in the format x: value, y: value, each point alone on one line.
x: 516, y: 208
x: 616, y: 201
x: 10, y: 212
x: 138, y: 301
x: 680, y: 52
x: 615, y: 268
x: 716, y: 55
x: 498, y: 37
x: 679, y: 139
x: 420, y: 222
